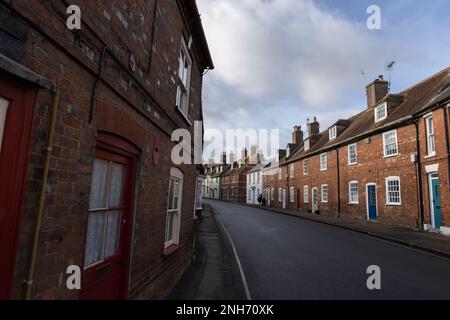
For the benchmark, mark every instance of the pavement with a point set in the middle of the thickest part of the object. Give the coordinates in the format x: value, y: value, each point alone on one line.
x: 214, y: 273
x: 284, y: 257
x: 421, y: 240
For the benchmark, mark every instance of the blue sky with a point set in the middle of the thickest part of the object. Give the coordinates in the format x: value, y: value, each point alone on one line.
x: 279, y: 62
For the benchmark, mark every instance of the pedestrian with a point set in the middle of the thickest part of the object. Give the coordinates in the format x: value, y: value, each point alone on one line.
x: 260, y: 199
x: 264, y: 202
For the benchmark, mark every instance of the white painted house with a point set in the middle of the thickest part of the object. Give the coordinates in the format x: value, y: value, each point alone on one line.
x: 255, y: 183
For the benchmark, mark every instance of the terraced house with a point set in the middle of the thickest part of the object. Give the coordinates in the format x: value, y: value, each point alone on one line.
x: 86, y: 118
x: 389, y: 163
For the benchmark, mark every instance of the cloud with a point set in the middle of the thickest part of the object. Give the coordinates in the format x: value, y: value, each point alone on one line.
x: 279, y: 62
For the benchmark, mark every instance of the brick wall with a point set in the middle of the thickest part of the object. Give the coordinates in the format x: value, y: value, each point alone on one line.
x: 138, y: 110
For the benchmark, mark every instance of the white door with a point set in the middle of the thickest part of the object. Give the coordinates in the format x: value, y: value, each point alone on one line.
x: 283, y: 195
x: 315, y: 200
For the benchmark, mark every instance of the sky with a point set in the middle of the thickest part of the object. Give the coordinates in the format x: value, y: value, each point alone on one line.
x: 279, y: 62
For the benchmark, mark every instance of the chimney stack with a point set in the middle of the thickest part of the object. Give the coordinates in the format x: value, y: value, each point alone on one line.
x: 224, y: 157
x: 376, y: 91
x: 297, y: 135
x: 243, y: 154
x: 313, y: 128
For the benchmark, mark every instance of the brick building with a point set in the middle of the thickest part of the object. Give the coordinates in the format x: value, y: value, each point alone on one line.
x: 389, y: 163
x: 233, y: 181
x: 114, y: 204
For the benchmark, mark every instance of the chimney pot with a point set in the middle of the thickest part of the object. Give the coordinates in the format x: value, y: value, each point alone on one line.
x: 376, y: 91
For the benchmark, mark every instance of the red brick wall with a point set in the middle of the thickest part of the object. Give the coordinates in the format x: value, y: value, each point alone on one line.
x: 71, y: 62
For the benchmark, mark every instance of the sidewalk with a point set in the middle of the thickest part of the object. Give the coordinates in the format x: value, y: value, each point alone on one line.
x: 420, y: 240
x: 213, y: 274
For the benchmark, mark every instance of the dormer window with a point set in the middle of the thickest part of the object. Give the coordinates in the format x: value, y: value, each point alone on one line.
x: 332, y: 132
x: 306, y: 146
x: 381, y: 112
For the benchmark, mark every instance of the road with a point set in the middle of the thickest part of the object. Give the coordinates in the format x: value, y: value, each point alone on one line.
x: 285, y: 257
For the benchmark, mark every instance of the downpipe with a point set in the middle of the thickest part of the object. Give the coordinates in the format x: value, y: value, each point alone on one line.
x: 42, y: 192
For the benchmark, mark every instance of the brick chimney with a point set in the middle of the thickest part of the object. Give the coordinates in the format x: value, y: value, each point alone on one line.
x: 313, y: 128
x: 297, y: 135
x: 224, y: 157
x: 376, y: 91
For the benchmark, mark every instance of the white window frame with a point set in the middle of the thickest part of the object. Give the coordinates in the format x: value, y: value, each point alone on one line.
x: 279, y: 195
x: 349, y: 148
x: 292, y: 194
x: 380, y: 107
x: 184, y: 81
x: 306, y: 145
x: 272, y: 194
x: 324, y: 199
x: 351, y: 192
x: 324, y: 163
x: 388, y: 202
x: 292, y: 170
x: 177, y: 174
x: 305, y: 194
x: 305, y: 167
x: 431, y: 138
x: 384, y: 144
x: 332, y: 133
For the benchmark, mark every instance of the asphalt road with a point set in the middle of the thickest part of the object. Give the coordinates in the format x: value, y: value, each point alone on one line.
x: 285, y: 257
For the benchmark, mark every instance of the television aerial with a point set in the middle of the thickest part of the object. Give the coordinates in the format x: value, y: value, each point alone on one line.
x: 390, y: 68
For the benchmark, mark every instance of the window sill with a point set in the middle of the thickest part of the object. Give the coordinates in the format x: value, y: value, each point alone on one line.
x: 352, y: 164
x: 433, y: 155
x: 170, y: 250
x: 357, y: 203
x: 393, y: 204
x: 185, y: 117
x: 391, y: 156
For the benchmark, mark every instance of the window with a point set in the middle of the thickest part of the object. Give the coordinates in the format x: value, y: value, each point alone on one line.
x: 305, y: 194
x: 393, y: 196
x: 324, y: 193
x: 306, y: 145
x: 279, y: 194
x: 184, y: 79
x: 292, y: 194
x: 258, y: 177
x: 105, y: 211
x: 305, y: 166
x: 323, y: 162
x: 353, y: 196
x: 390, y: 143
x: 381, y: 112
x: 280, y: 175
x: 431, y: 146
x: 332, y: 133
x: 352, y: 154
x: 174, y: 202
x: 272, y: 195
x: 292, y: 170
x: 249, y: 194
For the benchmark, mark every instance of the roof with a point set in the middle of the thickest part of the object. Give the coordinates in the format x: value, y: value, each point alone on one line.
x: 194, y: 24
x: 257, y: 168
x: 411, y: 101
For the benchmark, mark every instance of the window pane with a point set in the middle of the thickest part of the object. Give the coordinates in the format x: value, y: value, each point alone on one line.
x: 115, y: 196
x: 112, y: 233
x: 4, y: 104
x: 98, y: 184
x: 94, y: 239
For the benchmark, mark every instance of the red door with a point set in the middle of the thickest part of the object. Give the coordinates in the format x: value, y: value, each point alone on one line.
x: 107, y: 245
x: 16, y: 121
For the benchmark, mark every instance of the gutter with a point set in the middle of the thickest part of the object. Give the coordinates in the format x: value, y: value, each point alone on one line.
x: 419, y: 178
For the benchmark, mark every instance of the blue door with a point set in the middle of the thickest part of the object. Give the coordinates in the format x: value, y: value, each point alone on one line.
x: 372, y: 201
x: 436, y: 203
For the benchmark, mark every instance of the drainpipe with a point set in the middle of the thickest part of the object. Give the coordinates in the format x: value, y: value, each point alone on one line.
x: 419, y: 173
x: 447, y: 142
x: 48, y: 152
x: 338, y: 184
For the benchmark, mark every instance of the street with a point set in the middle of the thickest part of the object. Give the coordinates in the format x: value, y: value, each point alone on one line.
x: 285, y: 257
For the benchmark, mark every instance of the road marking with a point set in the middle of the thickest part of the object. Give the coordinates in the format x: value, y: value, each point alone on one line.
x: 241, y: 270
